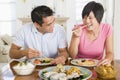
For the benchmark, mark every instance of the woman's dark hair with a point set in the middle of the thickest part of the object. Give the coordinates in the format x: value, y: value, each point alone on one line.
x: 39, y: 13
x: 96, y: 8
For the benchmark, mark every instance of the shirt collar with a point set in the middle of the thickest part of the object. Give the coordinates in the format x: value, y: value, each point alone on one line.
x: 34, y: 29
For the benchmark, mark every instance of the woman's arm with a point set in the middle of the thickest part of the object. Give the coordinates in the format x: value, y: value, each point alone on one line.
x: 75, y: 40
x: 109, y: 46
x: 73, y: 49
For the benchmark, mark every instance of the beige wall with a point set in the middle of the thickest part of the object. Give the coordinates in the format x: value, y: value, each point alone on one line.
x: 117, y: 29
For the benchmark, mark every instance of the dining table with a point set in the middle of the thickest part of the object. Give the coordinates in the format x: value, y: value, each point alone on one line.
x: 8, y: 73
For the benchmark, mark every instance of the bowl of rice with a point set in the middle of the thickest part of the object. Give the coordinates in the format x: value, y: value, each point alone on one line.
x: 24, y: 68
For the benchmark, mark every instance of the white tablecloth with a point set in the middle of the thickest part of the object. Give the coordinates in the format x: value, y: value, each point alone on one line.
x: 6, y: 73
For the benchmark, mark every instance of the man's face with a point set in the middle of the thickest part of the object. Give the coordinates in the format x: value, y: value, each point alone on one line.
x: 48, y: 24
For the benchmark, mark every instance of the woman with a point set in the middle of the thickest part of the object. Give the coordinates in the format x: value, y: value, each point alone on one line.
x: 90, y: 39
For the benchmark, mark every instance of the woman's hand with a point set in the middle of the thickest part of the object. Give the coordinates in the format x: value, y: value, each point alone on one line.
x: 104, y: 62
x: 59, y: 60
x: 77, y: 30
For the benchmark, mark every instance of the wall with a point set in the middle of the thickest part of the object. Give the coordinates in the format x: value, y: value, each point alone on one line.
x: 117, y: 29
x: 23, y: 9
x: 62, y: 8
x: 71, y: 14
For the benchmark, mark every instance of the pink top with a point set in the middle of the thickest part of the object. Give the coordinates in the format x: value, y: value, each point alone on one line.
x: 94, y: 49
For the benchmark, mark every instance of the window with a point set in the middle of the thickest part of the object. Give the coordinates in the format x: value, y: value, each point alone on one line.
x: 7, y: 16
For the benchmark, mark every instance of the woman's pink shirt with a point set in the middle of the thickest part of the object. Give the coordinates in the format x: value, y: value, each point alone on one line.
x: 94, y: 48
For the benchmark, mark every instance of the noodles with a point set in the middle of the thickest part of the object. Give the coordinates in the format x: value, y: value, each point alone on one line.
x: 73, y: 70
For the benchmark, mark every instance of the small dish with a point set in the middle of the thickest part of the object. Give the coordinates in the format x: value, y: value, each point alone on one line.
x: 41, y: 61
x: 85, y: 62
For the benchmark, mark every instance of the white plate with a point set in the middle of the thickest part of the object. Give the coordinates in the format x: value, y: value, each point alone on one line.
x: 41, y: 64
x: 80, y: 62
x: 85, y: 71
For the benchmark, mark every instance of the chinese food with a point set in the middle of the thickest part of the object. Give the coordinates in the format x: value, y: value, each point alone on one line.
x: 42, y: 60
x: 105, y: 71
x: 73, y: 70
x: 88, y: 62
x: 62, y: 73
x: 59, y: 68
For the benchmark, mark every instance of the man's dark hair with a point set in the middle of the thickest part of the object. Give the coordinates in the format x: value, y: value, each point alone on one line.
x: 96, y: 8
x: 39, y: 13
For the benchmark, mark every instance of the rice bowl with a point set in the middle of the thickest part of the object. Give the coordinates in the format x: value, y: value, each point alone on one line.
x: 24, y: 69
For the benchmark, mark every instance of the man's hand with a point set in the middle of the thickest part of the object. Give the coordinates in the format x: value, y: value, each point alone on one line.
x: 30, y: 53
x: 59, y: 60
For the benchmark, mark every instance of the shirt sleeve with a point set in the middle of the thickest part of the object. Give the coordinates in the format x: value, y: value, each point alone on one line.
x: 62, y: 38
x: 109, y: 30
x: 19, y: 38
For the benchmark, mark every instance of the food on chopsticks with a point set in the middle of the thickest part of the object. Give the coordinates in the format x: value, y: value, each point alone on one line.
x: 42, y: 60
x: 62, y: 73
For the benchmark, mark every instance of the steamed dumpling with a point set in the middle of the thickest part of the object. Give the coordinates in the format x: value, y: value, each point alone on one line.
x: 57, y: 76
x: 48, y: 74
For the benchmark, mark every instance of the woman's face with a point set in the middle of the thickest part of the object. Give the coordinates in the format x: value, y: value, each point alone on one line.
x: 90, y: 21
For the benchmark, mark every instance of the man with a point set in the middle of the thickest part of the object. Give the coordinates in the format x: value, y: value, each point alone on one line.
x: 41, y: 38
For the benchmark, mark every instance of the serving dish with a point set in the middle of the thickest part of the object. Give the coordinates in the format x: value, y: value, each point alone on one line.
x: 49, y: 72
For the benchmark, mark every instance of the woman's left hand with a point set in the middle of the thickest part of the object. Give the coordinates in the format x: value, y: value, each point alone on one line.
x: 59, y: 60
x: 104, y: 62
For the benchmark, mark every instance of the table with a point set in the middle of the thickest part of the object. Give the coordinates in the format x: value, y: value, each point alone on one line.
x: 34, y: 75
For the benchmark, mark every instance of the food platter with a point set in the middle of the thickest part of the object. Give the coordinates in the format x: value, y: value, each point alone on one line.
x: 41, y: 61
x: 85, y: 62
x: 84, y: 71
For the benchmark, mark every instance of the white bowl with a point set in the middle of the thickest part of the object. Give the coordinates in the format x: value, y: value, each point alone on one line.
x: 25, y: 69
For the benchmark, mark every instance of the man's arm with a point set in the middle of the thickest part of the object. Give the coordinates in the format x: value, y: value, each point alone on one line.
x: 62, y: 57
x: 16, y: 52
x: 63, y: 52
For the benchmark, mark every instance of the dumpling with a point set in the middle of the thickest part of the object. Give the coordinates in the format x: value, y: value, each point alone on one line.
x: 48, y: 74
x: 57, y: 76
